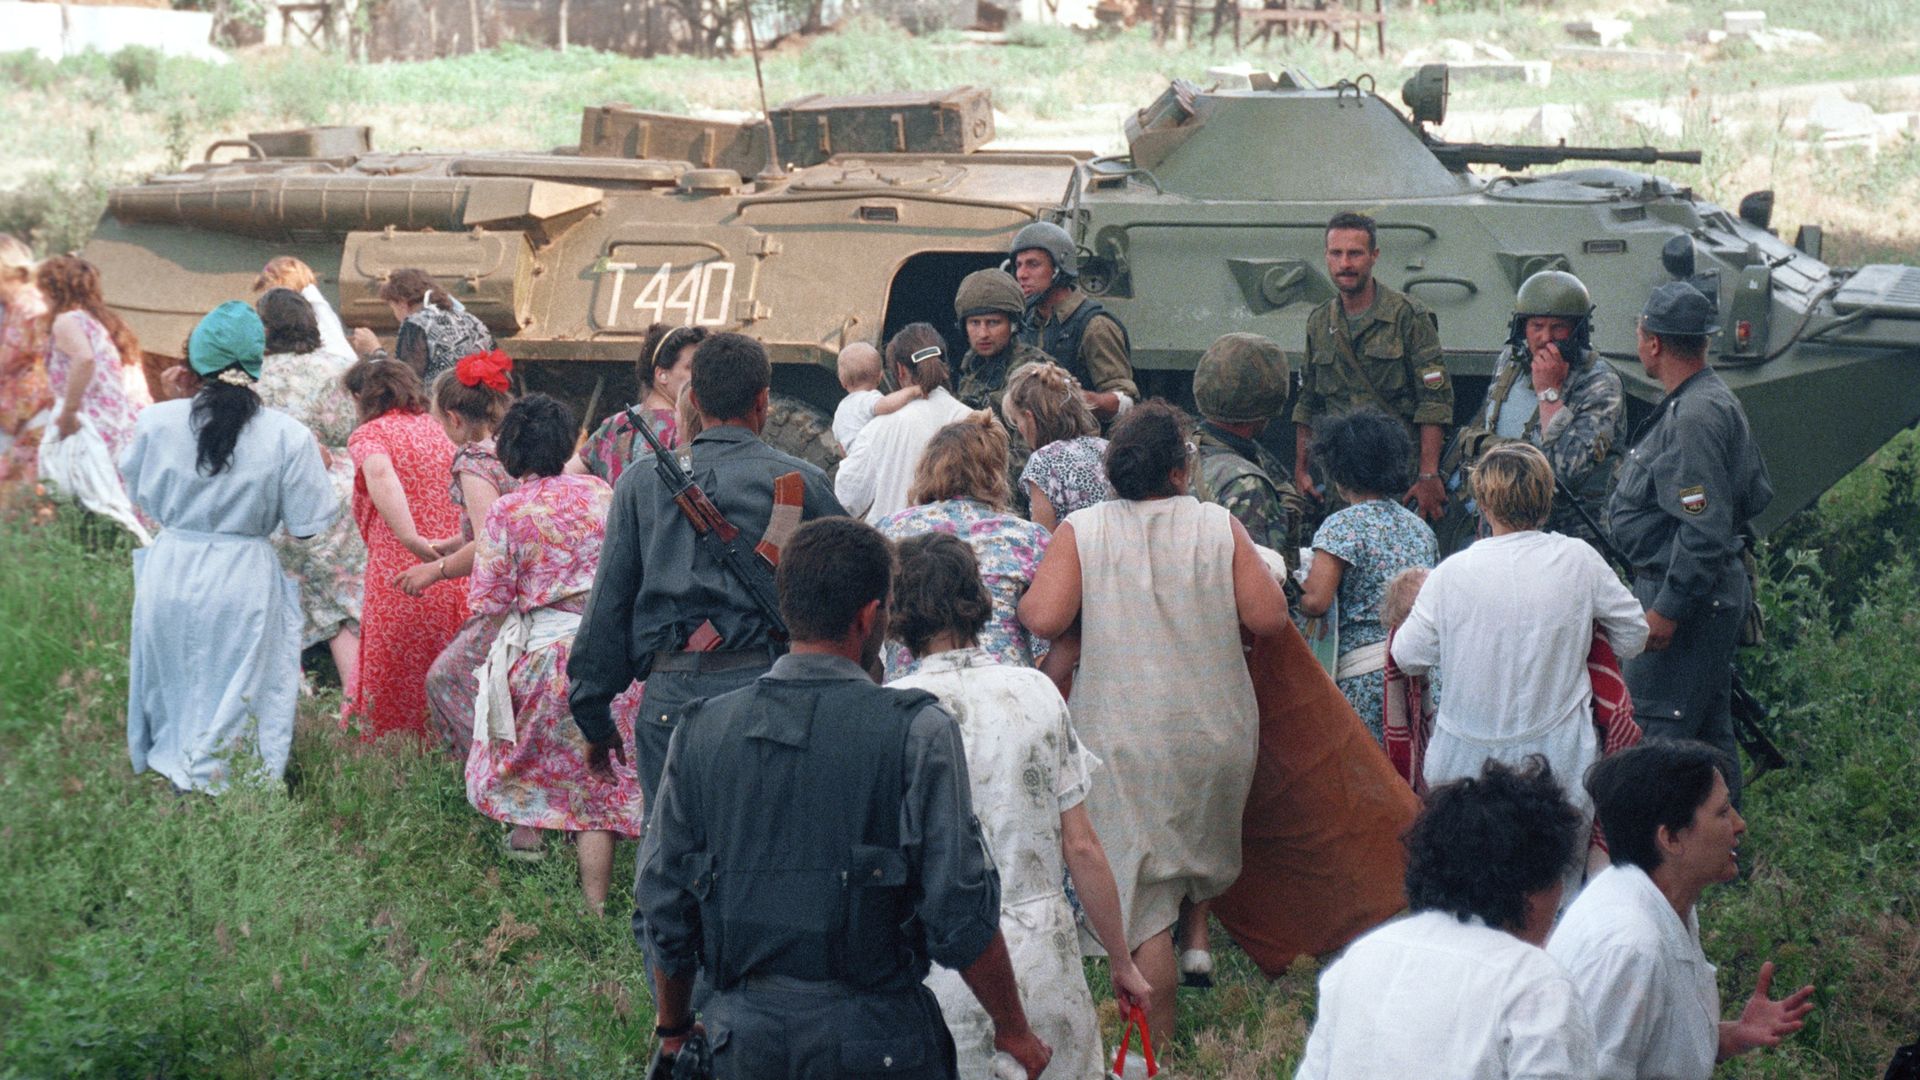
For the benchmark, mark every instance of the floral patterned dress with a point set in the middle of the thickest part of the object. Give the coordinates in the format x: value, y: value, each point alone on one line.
x: 450, y: 683
x: 1376, y: 539
x: 1008, y: 549
x: 107, y: 401
x: 540, y: 548
x: 24, y: 390
x: 330, y: 568
x: 400, y: 635
x: 1071, y: 473
x: 610, y: 448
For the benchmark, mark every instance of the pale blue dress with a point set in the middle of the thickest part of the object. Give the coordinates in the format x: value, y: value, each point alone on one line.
x: 214, y: 665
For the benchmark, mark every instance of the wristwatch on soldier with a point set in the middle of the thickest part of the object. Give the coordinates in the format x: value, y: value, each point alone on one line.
x: 1550, y: 394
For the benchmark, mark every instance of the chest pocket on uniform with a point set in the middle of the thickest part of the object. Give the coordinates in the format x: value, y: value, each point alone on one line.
x: 1385, y: 358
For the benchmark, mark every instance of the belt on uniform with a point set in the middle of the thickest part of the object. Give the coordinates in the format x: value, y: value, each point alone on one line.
x: 826, y: 987
x: 708, y: 662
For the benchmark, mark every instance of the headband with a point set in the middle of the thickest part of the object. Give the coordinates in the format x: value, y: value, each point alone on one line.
x: 489, y: 368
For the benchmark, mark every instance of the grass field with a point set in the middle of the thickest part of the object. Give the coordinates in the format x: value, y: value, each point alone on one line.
x: 366, y: 924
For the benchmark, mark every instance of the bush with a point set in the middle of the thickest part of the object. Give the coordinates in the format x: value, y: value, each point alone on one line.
x: 137, y: 67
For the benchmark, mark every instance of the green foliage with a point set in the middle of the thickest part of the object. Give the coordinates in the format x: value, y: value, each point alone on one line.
x: 136, y: 67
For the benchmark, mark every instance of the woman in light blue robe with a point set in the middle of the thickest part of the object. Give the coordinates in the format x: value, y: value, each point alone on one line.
x: 214, y: 670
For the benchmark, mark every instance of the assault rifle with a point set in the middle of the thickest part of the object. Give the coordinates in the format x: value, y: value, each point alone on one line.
x: 713, y: 531
x: 1747, y: 711
x: 693, y: 1062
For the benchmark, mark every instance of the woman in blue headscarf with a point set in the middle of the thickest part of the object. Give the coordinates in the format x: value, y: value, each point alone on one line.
x: 214, y: 670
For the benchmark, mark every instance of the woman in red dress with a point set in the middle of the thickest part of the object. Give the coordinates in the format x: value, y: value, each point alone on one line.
x: 401, y: 460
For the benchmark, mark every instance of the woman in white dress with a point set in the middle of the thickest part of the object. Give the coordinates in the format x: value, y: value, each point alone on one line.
x: 875, y: 479
x: 1162, y: 586
x: 1029, y: 774
x: 1509, y: 622
x: 214, y: 664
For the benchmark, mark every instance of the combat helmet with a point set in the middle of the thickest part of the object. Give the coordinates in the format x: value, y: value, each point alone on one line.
x: 1554, y: 293
x: 1053, y: 240
x: 1242, y: 378
x: 988, y: 291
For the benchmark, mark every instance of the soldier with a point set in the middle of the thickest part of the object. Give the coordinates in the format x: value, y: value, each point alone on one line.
x: 665, y: 609
x: 1241, y: 383
x: 1370, y: 345
x: 1551, y: 389
x: 1067, y: 324
x: 814, y: 846
x: 1691, y: 483
x: 990, y: 306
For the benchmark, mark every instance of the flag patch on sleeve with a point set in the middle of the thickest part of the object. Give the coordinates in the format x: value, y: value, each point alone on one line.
x: 1693, y: 500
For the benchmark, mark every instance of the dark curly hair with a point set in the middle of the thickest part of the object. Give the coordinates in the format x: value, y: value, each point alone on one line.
x: 1366, y: 452
x: 939, y: 591
x: 1145, y: 447
x: 1484, y: 844
x: 290, y: 322
x: 535, y: 438
x: 382, y: 386
x: 1661, y: 782
x: 662, y: 347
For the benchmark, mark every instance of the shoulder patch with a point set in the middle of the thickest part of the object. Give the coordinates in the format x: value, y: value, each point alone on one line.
x: 1693, y: 499
x: 1434, y: 378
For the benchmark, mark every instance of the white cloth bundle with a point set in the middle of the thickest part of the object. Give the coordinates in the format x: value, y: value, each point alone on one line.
x: 521, y: 632
x: 81, y: 467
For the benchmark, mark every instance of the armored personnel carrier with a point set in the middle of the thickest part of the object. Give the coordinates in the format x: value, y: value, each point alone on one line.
x: 834, y: 220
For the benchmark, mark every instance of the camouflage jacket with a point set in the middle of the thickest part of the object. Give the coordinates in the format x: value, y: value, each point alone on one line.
x: 983, y: 380
x: 1253, y: 485
x: 1582, y: 443
x: 1394, y: 363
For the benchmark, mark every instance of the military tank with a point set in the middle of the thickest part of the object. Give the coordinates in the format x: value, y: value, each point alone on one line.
x: 839, y: 219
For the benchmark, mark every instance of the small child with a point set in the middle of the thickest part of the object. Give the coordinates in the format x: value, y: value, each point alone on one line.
x: 859, y: 367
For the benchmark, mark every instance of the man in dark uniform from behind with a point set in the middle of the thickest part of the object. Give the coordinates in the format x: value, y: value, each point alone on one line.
x: 664, y: 609
x: 1065, y: 323
x: 1691, y: 482
x: 814, y: 847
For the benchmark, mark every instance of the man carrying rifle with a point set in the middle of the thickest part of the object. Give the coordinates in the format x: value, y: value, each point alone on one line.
x: 676, y: 601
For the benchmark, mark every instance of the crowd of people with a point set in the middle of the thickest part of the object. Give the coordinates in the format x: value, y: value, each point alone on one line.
x: 903, y: 743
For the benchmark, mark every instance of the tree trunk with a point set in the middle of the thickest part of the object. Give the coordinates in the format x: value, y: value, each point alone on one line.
x: 563, y: 24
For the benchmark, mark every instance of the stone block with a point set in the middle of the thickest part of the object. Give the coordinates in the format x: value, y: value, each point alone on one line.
x: 1605, y: 33
x: 1554, y: 123
x: 1743, y: 22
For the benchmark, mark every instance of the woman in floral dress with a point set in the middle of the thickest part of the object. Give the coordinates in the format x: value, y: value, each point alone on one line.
x: 92, y: 357
x: 24, y: 394
x: 538, y: 553
x: 402, y: 460
x: 469, y: 402
x: 1044, y: 404
x: 303, y: 380
x: 960, y: 487
x: 665, y: 368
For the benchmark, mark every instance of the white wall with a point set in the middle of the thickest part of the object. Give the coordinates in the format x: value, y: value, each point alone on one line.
x: 42, y: 29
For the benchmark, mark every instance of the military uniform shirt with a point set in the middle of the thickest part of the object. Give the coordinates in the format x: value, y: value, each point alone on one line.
x: 958, y: 886
x: 983, y: 379
x: 1242, y: 476
x: 1581, y: 442
x: 1687, y: 489
x: 1398, y: 349
x: 1103, y: 349
x: 655, y: 585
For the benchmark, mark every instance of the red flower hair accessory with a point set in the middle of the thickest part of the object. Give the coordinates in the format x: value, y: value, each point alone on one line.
x: 489, y: 368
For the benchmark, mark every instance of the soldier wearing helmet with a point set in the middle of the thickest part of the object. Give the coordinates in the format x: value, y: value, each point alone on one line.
x: 1240, y: 384
x: 990, y: 307
x: 1067, y: 324
x: 1550, y: 389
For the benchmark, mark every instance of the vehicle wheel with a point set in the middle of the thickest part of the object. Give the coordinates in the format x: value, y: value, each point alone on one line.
x: 803, y: 431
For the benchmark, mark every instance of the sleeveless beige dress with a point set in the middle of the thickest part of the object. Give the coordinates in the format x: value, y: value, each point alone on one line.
x: 1164, y: 698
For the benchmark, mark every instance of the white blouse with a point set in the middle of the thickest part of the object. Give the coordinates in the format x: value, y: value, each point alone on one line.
x: 878, y: 471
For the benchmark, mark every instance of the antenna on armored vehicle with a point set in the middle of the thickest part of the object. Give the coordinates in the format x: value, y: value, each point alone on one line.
x: 773, y: 171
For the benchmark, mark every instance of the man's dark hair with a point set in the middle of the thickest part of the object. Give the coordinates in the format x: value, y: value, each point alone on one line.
x: 1691, y: 346
x: 1660, y: 782
x: 1365, y: 451
x: 729, y: 371
x: 288, y: 317
x: 535, y: 438
x: 1347, y: 219
x: 1484, y: 844
x: 939, y: 591
x: 831, y: 569
x: 1146, y: 446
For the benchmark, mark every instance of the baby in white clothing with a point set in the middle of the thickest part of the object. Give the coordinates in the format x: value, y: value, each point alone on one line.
x: 859, y: 367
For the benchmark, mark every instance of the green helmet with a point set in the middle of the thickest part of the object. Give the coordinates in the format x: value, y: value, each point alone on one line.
x: 1553, y: 292
x: 986, y: 291
x: 1242, y: 378
x: 1053, y: 240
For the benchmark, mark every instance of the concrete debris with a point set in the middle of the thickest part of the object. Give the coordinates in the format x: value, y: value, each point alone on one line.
x: 1783, y: 40
x: 1661, y: 123
x: 1605, y: 33
x: 1554, y: 123
x: 1743, y: 22
x: 1480, y: 60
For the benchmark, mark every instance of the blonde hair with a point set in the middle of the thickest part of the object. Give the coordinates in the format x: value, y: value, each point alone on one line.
x: 284, y: 272
x: 1514, y: 485
x: 15, y: 257
x: 858, y: 365
x: 1397, y: 603
x: 1052, y: 396
x: 967, y: 459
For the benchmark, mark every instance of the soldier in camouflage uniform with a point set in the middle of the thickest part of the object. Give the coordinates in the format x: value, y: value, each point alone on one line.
x: 990, y: 306
x: 1371, y: 345
x: 1241, y: 384
x: 1552, y: 390
x: 1075, y: 329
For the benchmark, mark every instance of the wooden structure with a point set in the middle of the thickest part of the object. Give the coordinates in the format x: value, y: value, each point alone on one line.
x: 1345, y: 21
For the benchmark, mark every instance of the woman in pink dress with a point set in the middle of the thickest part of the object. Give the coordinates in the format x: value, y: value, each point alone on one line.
x: 537, y: 557
x: 93, y: 360
x: 24, y: 394
x: 665, y: 368
x: 402, y: 460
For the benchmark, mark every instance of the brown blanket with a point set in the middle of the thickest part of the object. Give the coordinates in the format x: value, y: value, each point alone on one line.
x: 1321, y: 852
